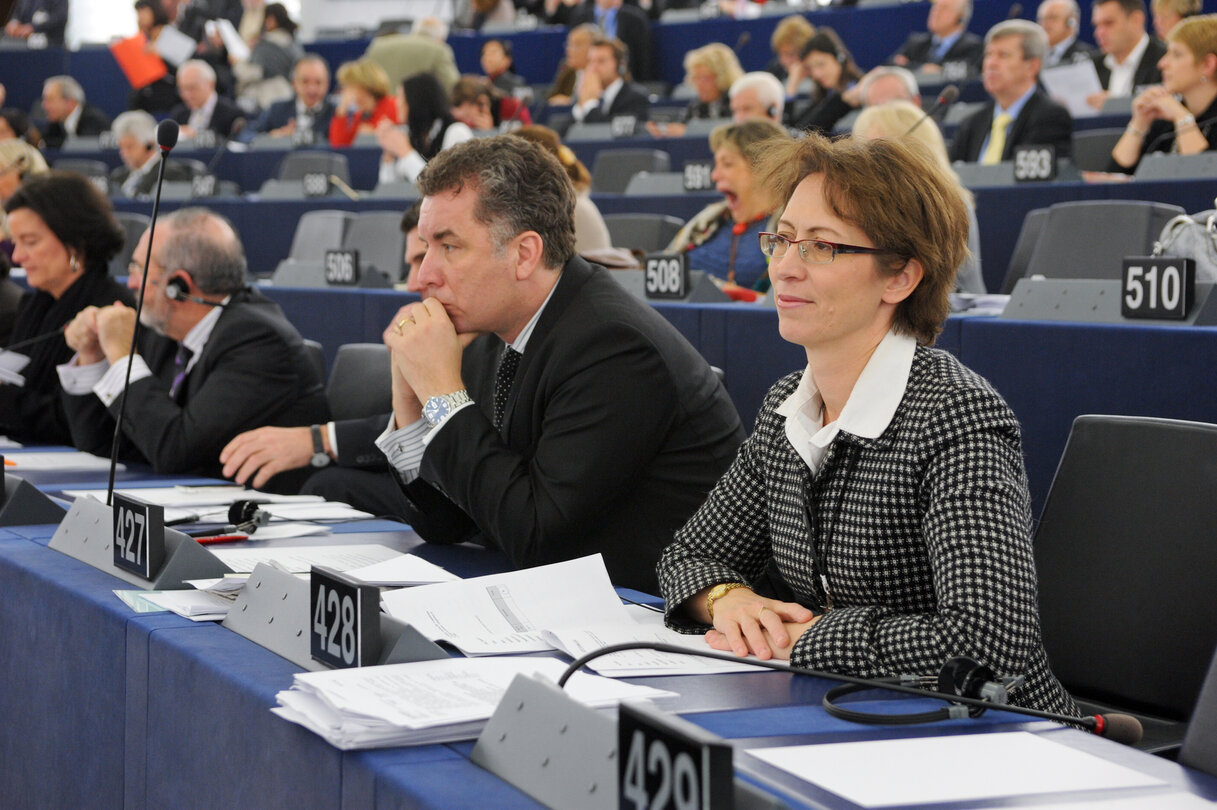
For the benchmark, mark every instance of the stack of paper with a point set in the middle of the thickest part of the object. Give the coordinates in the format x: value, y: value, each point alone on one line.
x: 427, y: 701
x: 52, y: 460
x: 504, y: 614
x: 300, y: 559
x: 402, y: 571
x: 11, y: 364
x: 199, y: 606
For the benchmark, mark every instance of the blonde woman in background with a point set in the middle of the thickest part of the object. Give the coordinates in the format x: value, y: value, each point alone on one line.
x: 591, y: 234
x: 895, y: 120
x: 18, y: 160
x: 710, y: 70
x: 787, y: 42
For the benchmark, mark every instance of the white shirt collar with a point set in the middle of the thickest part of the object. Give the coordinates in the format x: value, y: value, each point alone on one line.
x: 610, y: 94
x: 1122, y: 73
x: 869, y: 410
x: 1057, y: 52
x: 522, y: 339
x: 73, y: 120
x: 196, y: 339
x: 201, y: 118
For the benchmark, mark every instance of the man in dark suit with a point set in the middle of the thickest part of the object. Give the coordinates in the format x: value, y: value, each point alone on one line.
x: 606, y: 91
x: 947, y: 47
x: 538, y: 407
x: 310, y: 110
x: 627, y: 23
x: 135, y: 131
x: 47, y: 18
x: 67, y: 113
x: 221, y: 358
x: 202, y: 108
x: 1060, y: 20
x: 1019, y: 113
x: 1128, y: 56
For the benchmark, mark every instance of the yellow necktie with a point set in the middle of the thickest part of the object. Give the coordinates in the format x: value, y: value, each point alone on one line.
x: 997, y: 140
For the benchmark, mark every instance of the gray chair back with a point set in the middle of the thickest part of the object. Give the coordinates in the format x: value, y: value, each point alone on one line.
x: 1033, y: 226
x: 296, y: 165
x: 649, y: 233
x: 1165, y: 166
x: 360, y: 382
x: 319, y: 231
x: 613, y: 168
x: 133, y: 225
x: 1090, y: 239
x: 381, y: 244
x: 645, y: 183
x: 1092, y: 148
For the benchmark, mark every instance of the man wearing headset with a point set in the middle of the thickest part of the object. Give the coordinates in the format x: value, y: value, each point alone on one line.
x: 1060, y: 20
x: 606, y: 91
x: 219, y: 358
x: 135, y: 132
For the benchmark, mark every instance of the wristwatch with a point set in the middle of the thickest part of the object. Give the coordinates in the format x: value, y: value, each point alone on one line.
x: 718, y: 592
x: 437, y: 409
x: 320, y: 457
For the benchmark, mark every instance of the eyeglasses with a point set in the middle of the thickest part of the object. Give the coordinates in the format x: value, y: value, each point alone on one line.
x: 815, y: 251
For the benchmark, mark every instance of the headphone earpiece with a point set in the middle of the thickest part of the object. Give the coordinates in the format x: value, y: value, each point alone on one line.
x: 1072, y: 22
x: 177, y: 289
x: 772, y: 111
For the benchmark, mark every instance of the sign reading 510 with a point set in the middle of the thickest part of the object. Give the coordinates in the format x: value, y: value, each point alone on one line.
x: 1157, y: 287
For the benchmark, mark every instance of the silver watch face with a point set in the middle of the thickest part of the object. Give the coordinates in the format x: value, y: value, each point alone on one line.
x: 319, y: 460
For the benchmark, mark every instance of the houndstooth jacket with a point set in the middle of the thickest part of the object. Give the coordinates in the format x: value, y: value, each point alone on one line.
x: 927, y: 528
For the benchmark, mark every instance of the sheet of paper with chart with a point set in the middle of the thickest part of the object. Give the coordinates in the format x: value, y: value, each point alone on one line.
x: 503, y: 614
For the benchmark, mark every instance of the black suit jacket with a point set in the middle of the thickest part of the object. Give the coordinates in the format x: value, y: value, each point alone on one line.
x: 253, y: 371
x: 1041, y: 121
x: 969, y: 49
x: 614, y: 432
x: 223, y: 117
x: 175, y: 172
x: 1078, y: 51
x: 631, y: 99
x: 633, y: 28
x: 1147, y: 69
x: 281, y: 112
x: 92, y: 122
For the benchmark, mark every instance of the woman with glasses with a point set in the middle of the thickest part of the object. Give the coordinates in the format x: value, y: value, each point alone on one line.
x: 877, y: 521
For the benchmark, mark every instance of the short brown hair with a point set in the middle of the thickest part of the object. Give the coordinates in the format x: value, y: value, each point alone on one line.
x: 549, y: 140
x: 520, y: 187
x: 867, y: 183
x: 1129, y: 6
x: 791, y: 32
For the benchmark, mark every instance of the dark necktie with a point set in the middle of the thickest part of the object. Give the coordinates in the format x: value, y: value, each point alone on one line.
x: 508, y: 364
x: 180, y: 362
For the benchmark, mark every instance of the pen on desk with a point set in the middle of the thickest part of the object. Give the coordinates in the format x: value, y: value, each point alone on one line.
x: 222, y: 538
x: 8, y: 462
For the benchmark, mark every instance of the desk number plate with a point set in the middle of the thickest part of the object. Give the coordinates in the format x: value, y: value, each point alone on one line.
x: 696, y: 175
x: 667, y: 275
x: 1034, y: 164
x: 316, y: 184
x: 345, y: 620
x: 139, y: 536
x: 665, y: 763
x: 342, y: 268
x: 1160, y: 287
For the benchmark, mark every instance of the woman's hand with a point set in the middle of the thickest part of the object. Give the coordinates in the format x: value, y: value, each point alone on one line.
x: 747, y: 623
x: 1154, y: 103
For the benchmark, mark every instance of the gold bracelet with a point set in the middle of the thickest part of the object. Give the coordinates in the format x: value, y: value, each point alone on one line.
x: 718, y: 592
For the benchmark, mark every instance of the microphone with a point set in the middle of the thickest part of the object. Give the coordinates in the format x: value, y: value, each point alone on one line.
x: 743, y: 40
x: 946, y: 97
x: 21, y: 344
x: 958, y: 673
x: 344, y: 187
x: 247, y: 516
x: 237, y: 126
x: 167, y: 132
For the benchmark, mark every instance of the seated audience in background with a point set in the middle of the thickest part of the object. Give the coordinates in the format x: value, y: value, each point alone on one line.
x: 135, y: 131
x: 947, y: 47
x: 14, y: 123
x: 607, y: 427
x: 10, y: 299
x: 309, y: 110
x: 570, y: 73
x: 365, y: 98
x: 1128, y: 56
x: 424, y: 50
x: 1060, y: 20
x: 1166, y: 14
x: 1179, y: 115
x: 161, y: 96
x: 888, y: 83
x: 626, y: 23
x: 217, y: 358
x: 496, y: 61
x: 47, y: 18
x: 478, y: 105
x: 263, y: 78
x: 591, y: 234
x: 607, y: 90
x: 479, y: 12
x: 787, y: 42
x: 879, y: 566
x: 899, y: 119
x: 202, y: 108
x: 1019, y: 113
x: 67, y: 112
x: 710, y: 70
x: 430, y: 128
x: 834, y: 72
x: 18, y: 160
x: 720, y: 239
x: 757, y: 95
x: 64, y: 234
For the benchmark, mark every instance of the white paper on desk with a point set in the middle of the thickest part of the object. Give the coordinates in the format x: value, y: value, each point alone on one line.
x: 645, y: 625
x: 8, y: 444
x: 195, y: 497
x: 84, y: 462
x: 504, y: 613
x: 1071, y: 84
x: 139, y: 601
x: 193, y: 604
x: 299, y: 559
x: 1153, y: 801
x: 174, y: 46
x: 13, y: 361
x: 324, y: 510
x: 960, y: 768
x: 288, y: 531
x: 403, y: 571
x: 231, y: 584
x: 427, y: 701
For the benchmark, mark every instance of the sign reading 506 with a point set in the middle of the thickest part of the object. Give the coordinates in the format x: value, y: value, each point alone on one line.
x: 667, y: 275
